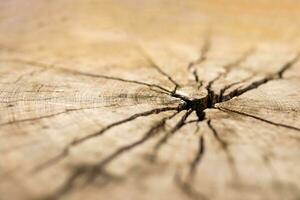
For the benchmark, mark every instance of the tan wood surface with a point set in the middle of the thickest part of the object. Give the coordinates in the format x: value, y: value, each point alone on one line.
x: 144, y: 100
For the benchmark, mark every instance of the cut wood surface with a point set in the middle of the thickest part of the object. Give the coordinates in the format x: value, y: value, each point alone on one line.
x: 136, y: 99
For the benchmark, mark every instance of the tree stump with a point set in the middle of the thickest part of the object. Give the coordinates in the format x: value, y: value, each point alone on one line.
x: 149, y: 100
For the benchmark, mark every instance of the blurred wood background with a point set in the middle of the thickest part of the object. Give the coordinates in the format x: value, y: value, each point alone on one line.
x: 157, y: 99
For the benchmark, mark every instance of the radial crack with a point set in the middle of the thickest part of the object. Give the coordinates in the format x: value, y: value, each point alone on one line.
x: 224, y: 144
x: 150, y: 85
x: 172, y: 93
x: 203, y: 56
x: 225, y: 147
x: 227, y: 87
x: 275, y: 76
x: 91, y: 172
x: 169, y: 134
x: 186, y: 185
x: 38, y: 64
x: 238, y: 61
x: 46, y: 116
x: 77, y: 142
x: 259, y: 118
x: 212, y: 96
x: 153, y: 64
x: 198, y: 157
x: 188, y: 190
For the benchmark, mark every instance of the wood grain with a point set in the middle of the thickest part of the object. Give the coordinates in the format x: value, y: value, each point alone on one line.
x: 149, y: 99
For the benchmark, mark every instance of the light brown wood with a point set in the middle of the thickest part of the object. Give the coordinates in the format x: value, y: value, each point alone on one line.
x: 148, y: 100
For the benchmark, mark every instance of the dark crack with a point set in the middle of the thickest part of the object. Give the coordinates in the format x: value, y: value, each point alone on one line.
x: 170, y: 133
x: 223, y: 144
x: 275, y: 76
x: 214, y: 98
x: 260, y: 119
x: 86, y: 174
x: 77, y: 142
x: 91, y: 172
x: 46, y: 66
x: 188, y: 190
x: 152, y: 86
x: 203, y: 56
x: 153, y: 64
x: 186, y: 182
x: 225, y: 147
x: 227, y: 87
x: 46, y: 116
x: 198, y: 157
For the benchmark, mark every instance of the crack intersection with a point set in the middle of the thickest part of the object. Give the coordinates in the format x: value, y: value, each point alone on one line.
x: 188, y: 105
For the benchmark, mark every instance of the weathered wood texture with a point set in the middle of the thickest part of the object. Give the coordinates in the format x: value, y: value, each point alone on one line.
x: 129, y: 99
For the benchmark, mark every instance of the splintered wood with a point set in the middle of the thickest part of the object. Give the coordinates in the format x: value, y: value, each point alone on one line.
x: 148, y: 100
